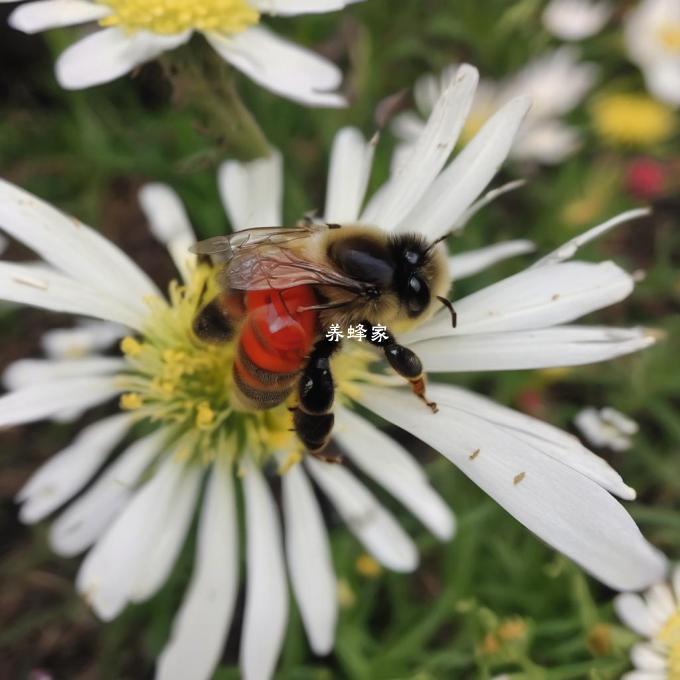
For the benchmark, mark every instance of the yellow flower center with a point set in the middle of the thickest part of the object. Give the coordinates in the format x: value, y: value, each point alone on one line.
x: 367, y: 566
x: 169, y: 17
x: 669, y: 35
x: 174, y: 378
x: 632, y: 119
x: 473, y: 124
x: 669, y: 636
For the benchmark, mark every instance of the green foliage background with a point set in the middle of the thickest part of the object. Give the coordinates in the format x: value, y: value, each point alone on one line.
x: 88, y: 152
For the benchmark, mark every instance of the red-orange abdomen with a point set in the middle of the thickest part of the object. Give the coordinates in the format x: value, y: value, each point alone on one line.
x: 274, y: 342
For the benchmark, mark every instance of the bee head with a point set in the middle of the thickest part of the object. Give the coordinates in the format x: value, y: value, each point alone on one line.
x: 419, y: 273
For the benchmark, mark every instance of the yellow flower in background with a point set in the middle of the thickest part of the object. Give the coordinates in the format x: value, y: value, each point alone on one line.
x: 632, y: 120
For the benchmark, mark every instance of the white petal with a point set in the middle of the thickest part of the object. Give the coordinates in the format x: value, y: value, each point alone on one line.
x: 534, y: 298
x: 676, y: 583
x: 27, y: 372
x: 33, y: 17
x: 576, y: 19
x: 567, y: 250
x: 281, y: 66
x: 663, y: 80
x: 474, y: 261
x: 519, y: 350
x: 407, y: 187
x: 42, y: 401
x: 645, y: 656
x: 110, y: 53
x: 66, y: 472
x: 633, y: 611
x: 85, y: 338
x: 482, y: 202
x: 550, y: 440
x: 291, y: 7
x: 456, y: 188
x: 589, y: 423
x: 162, y: 554
x: 266, y: 608
x: 546, y: 141
x: 619, y: 420
x: 252, y: 193
x: 660, y: 602
x: 348, y: 175
x: 555, y: 83
x: 309, y: 561
x: 367, y: 519
x: 81, y: 524
x: 644, y: 675
x: 108, y: 573
x: 391, y: 466
x: 169, y: 223
x: 58, y: 293
x: 72, y: 247
x: 606, y: 427
x: 428, y: 89
x: 200, y: 627
x: 407, y: 127
x: 563, y: 506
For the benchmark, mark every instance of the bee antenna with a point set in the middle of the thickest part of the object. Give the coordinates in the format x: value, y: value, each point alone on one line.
x: 449, y: 305
x: 439, y: 240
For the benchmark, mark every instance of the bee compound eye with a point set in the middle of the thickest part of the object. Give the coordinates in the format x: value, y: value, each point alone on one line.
x: 418, y: 295
x: 411, y: 257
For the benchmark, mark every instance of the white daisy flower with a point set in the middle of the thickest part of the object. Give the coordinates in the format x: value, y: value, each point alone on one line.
x: 135, y: 31
x: 652, y: 33
x: 574, y: 20
x: 656, y: 616
x: 556, y: 83
x: 134, y: 517
x: 606, y: 427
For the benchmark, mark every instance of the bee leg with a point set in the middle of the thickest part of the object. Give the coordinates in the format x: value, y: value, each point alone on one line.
x: 404, y: 361
x: 214, y: 323
x: 313, y: 418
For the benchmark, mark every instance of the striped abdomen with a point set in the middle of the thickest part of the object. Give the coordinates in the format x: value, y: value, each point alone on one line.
x: 274, y: 342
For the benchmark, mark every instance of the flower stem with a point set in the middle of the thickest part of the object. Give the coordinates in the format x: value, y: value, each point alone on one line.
x: 204, y: 84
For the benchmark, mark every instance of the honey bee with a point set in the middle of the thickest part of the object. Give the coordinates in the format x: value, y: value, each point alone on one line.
x: 281, y: 289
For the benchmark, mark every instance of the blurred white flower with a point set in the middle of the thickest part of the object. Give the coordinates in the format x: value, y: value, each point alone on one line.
x: 652, y: 33
x: 133, y: 519
x: 86, y: 337
x: 657, y: 618
x: 606, y: 427
x: 555, y: 82
x: 134, y: 32
x: 576, y: 19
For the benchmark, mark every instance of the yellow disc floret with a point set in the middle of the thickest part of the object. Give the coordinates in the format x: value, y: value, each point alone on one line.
x: 632, y: 119
x: 169, y: 17
x: 669, y: 36
x: 175, y: 379
x: 669, y: 637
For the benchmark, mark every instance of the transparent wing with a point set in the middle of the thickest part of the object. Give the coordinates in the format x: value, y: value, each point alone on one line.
x: 275, y: 267
x: 223, y: 249
x: 261, y: 259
